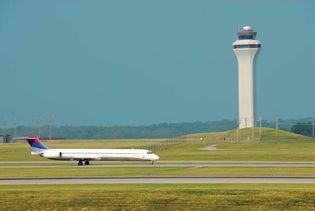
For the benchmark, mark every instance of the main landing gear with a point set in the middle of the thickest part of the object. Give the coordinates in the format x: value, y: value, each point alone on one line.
x: 80, y: 163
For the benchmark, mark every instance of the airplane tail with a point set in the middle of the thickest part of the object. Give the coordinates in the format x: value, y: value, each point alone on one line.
x: 36, y: 145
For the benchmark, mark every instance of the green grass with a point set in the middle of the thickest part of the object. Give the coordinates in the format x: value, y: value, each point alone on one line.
x: 188, y: 150
x: 274, y: 146
x: 159, y: 197
x: 157, y: 171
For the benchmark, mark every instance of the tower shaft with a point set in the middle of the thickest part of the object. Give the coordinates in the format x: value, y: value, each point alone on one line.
x: 246, y: 49
x: 246, y: 89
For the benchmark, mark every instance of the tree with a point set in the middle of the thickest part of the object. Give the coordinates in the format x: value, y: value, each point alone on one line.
x: 303, y: 128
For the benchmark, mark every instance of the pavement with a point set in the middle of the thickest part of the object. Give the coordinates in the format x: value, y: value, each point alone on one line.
x: 104, y: 164
x: 156, y: 180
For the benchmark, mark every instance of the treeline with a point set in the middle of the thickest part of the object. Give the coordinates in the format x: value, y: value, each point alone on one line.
x: 163, y: 130
x: 304, y: 128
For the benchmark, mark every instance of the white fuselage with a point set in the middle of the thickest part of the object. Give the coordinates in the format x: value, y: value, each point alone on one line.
x: 99, y: 154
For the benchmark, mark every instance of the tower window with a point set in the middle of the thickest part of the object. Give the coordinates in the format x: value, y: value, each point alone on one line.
x: 246, y: 37
x: 247, y: 46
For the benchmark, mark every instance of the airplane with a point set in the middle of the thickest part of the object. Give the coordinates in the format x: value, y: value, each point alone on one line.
x: 84, y: 156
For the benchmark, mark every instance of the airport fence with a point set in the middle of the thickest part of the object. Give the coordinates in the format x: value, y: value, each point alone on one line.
x: 263, y: 130
x: 276, y: 129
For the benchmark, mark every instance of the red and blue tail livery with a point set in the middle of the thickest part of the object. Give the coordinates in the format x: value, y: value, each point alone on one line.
x: 36, y: 144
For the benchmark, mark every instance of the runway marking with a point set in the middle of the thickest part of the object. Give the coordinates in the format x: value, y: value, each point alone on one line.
x: 212, y: 147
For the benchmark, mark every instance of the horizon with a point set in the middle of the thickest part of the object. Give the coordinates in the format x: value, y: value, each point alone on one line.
x: 47, y: 124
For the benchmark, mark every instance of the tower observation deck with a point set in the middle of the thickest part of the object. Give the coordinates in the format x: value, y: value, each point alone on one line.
x: 246, y: 49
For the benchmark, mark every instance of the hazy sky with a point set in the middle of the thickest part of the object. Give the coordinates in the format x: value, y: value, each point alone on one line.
x: 143, y: 62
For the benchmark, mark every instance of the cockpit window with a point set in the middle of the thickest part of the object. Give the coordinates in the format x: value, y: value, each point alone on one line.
x: 149, y: 152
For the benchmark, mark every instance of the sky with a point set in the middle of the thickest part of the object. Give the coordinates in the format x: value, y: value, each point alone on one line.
x: 143, y: 62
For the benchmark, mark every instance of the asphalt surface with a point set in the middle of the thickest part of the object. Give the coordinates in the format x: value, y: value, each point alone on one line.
x: 104, y: 164
x: 156, y: 180
x: 163, y: 165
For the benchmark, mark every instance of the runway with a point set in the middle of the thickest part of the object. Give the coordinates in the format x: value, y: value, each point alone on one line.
x: 100, y: 164
x: 156, y: 180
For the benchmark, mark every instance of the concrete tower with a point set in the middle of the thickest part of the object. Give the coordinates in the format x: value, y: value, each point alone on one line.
x: 246, y: 48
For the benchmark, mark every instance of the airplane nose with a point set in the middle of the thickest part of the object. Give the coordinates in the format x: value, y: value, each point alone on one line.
x: 155, y: 157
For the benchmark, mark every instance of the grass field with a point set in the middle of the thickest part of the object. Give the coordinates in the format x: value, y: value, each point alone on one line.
x: 273, y: 146
x: 283, y: 147
x: 156, y: 171
x: 158, y: 197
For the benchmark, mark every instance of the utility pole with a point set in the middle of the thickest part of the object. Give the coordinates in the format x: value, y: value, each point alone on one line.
x: 4, y: 126
x: 38, y: 126
x: 313, y: 128
x: 15, y: 125
x: 277, y: 126
x: 260, y: 119
x: 50, y: 127
x: 237, y: 129
x: 253, y: 130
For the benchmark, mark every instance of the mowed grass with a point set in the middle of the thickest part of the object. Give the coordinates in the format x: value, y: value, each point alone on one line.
x: 159, y: 197
x: 156, y: 171
x: 274, y: 146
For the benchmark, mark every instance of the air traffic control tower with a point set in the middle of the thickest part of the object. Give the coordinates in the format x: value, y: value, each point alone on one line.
x: 246, y: 49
